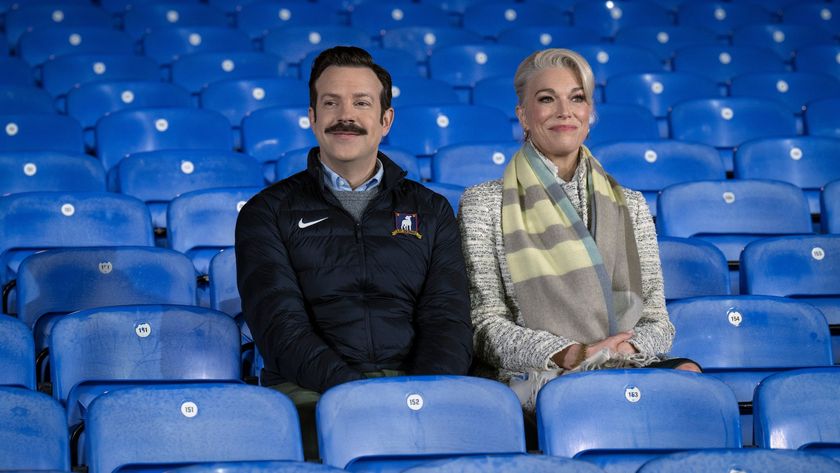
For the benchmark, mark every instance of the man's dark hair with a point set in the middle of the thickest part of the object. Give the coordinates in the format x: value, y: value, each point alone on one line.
x: 349, y: 56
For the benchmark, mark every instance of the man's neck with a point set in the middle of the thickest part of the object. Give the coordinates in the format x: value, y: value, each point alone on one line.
x: 355, y: 173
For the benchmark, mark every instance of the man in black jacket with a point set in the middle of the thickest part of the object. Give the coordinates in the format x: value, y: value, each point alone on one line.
x: 348, y: 270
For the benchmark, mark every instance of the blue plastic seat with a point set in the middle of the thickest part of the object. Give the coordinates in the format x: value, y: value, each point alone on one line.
x: 821, y: 118
x: 130, y: 131
x: 15, y: 99
x: 451, y: 192
x: 794, y: 89
x: 259, y: 18
x: 293, y: 43
x: 472, y: 163
x: 722, y: 17
x: 588, y: 415
x: 224, y: 293
x: 180, y: 425
x: 732, y: 213
x: 658, y: 91
x: 547, y: 36
x: 269, y: 132
x: 238, y: 98
x: 692, y: 268
x: 201, y: 223
x: 490, y: 19
x: 258, y: 466
x: 497, y: 92
x: 397, y: 62
x: 609, y: 18
x: 29, y: 171
x: 425, y: 129
x: 166, y: 45
x: 506, y: 463
x: 157, y: 177
x: 196, y: 71
x: 413, y: 90
x: 464, y: 65
x: 799, y: 410
x: 650, y: 166
x: 376, y: 18
x: 747, y: 459
x: 144, y: 18
x: 808, y: 162
x: 825, y: 16
x: 40, y: 132
x: 423, y: 41
x: 34, y: 432
x: 783, y: 39
x: 620, y: 122
x: 62, y: 74
x: 608, y: 60
x: 17, y: 354
x: 402, y: 421
x: 665, y: 40
x: 40, y: 45
x: 830, y: 207
x: 820, y: 58
x: 721, y: 63
x: 118, y: 8
x: 28, y: 17
x: 13, y: 71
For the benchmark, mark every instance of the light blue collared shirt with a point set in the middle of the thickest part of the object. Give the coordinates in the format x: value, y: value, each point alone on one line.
x: 338, y: 183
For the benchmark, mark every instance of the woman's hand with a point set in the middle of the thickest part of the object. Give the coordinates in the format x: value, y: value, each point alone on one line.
x: 616, y: 343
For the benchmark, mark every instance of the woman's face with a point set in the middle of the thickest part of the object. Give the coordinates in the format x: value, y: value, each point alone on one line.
x: 555, y: 112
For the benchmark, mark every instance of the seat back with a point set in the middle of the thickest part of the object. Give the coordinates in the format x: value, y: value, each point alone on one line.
x: 792, y: 266
x: 413, y: 90
x: 423, y: 41
x: 783, y: 39
x: 620, y: 122
x: 258, y: 467
x: 465, y: 64
x: 797, y: 408
x: 17, y: 354
x: 267, y: 133
x: 547, y: 36
x: 692, y: 268
x: 29, y: 171
x: 747, y: 459
x: 668, y: 409
x: 728, y: 122
x: 794, y: 89
x: 238, y: 98
x: 425, y: 129
x: 34, y: 435
x: 143, y: 18
x: 90, y: 102
x: 491, y: 18
x: 40, y: 132
x: 830, y: 207
x: 172, y: 425
x: 497, y: 92
x: 19, y: 99
x: 20, y: 20
x: 721, y: 17
x: 658, y: 91
x: 13, y: 71
x: 812, y: 14
x: 506, y: 463
x: 63, y: 73
x: 259, y: 18
x: 165, y: 45
x: 206, y: 218
x: 805, y: 161
x: 375, y: 18
x: 819, y: 58
x: 469, y: 164
x: 821, y: 119
x: 665, y: 40
x: 196, y: 71
x: 224, y: 293
x: 608, y: 60
x: 39, y: 45
x: 293, y: 43
x: 721, y: 63
x: 609, y: 19
x: 417, y: 416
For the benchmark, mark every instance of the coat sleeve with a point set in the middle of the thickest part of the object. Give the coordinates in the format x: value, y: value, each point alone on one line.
x: 274, y: 307
x: 443, y: 332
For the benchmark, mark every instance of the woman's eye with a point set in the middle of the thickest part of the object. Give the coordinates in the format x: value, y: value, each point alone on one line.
x: 545, y: 99
x: 578, y: 98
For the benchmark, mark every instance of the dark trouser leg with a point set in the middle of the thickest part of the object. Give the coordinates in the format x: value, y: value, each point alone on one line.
x: 305, y: 402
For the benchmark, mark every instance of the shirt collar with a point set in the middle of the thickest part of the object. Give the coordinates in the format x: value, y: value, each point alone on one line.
x: 579, y: 171
x: 338, y: 183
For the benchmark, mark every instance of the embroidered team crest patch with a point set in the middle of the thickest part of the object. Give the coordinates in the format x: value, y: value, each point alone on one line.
x: 406, y: 224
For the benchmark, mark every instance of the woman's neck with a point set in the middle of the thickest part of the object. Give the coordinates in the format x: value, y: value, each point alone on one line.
x: 566, y: 165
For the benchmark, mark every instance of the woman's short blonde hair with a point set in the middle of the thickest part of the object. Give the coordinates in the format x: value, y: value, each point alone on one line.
x: 554, y: 57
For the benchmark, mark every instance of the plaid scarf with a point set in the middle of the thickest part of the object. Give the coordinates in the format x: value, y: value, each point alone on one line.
x: 582, y: 284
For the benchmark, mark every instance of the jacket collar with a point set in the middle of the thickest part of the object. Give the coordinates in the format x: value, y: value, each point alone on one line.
x: 393, y: 174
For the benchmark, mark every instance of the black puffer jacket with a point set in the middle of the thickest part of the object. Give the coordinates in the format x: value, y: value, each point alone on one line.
x: 328, y: 301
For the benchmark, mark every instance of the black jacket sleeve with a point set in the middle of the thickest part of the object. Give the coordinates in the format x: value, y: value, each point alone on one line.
x: 443, y: 341
x: 274, y: 307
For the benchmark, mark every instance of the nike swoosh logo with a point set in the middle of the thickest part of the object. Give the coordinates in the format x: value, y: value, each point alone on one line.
x: 302, y: 224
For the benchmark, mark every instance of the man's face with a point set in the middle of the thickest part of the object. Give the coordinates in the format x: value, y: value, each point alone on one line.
x: 347, y: 124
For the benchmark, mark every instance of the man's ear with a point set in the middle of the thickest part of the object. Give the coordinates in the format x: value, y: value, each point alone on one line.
x: 387, y: 121
x: 311, y: 115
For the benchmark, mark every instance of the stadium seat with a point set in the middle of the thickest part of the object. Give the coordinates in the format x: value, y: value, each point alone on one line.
x: 721, y: 63
x: 34, y: 432
x: 237, y: 98
x: 40, y: 45
x: 464, y: 65
x: 752, y: 459
x: 665, y: 40
x: 118, y: 8
x: 166, y: 45
x: 18, y: 99
x: 821, y: 118
x: 423, y: 41
x: 809, y: 162
x: 293, y: 43
x: 29, y: 17
x: 608, y: 60
x: 472, y: 163
x: 743, y: 339
x: 726, y: 123
x: 497, y: 92
x: 269, y: 132
x: 811, y: 14
x: 547, y: 36
x: 490, y: 19
x: 258, y: 466
x: 376, y: 18
x: 40, y: 132
x: 13, y: 71
x: 413, y: 90
x: 425, y: 129
x: 196, y: 71
x: 732, y: 213
x: 799, y: 267
x: 63, y: 73
x: 400, y: 422
x: 259, y: 18
x: 722, y: 17
x: 793, y: 89
x: 620, y: 122
x: 588, y: 415
x: 821, y: 58
x: 29, y: 171
x: 692, y: 268
x: 396, y: 61
x: 650, y: 166
x: 130, y: 131
x: 450, y: 191
x: 224, y: 293
x: 609, y: 18
x: 144, y: 18
x: 17, y: 354
x: 505, y: 464
x: 201, y: 223
x: 830, y: 207
x: 157, y: 177
x: 180, y: 425
x: 783, y: 39
x: 799, y: 410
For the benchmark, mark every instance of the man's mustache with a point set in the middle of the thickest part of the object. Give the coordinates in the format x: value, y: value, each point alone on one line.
x: 346, y: 127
